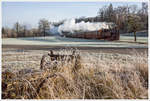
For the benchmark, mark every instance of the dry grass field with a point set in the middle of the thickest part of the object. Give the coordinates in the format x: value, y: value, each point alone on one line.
x: 98, y: 76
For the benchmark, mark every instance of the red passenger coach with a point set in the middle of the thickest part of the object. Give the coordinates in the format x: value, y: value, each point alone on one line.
x: 106, y: 34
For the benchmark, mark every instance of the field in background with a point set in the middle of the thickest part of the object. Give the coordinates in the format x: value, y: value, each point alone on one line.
x: 125, y: 41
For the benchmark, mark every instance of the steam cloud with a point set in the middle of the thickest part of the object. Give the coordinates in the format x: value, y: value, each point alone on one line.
x: 71, y: 26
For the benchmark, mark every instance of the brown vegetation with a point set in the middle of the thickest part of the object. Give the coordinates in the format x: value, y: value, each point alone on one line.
x: 101, y: 76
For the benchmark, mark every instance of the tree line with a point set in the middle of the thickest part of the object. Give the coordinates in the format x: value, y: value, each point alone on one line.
x: 127, y: 18
x: 122, y: 16
x: 22, y: 31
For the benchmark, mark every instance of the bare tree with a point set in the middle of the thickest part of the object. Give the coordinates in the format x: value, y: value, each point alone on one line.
x: 3, y: 30
x: 102, y: 13
x: 44, y: 26
x: 106, y: 13
x: 35, y: 32
x: 18, y: 28
x: 143, y: 13
x: 133, y: 24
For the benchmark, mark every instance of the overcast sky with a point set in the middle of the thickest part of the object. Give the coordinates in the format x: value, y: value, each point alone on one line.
x: 30, y: 13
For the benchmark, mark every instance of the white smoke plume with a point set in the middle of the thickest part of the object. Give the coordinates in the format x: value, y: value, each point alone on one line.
x: 72, y: 27
x: 54, y: 30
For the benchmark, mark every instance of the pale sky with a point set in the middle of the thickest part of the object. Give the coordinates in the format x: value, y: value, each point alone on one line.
x: 30, y: 13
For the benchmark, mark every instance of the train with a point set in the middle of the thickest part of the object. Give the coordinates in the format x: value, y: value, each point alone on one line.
x: 106, y: 34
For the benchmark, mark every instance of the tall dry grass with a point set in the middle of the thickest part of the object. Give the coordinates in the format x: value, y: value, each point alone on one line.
x: 99, y: 76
